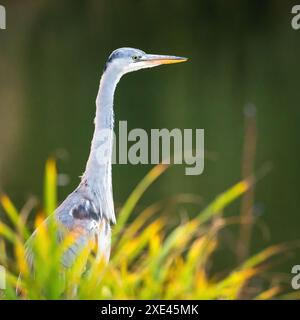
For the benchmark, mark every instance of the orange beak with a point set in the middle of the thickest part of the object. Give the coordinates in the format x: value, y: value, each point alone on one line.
x: 162, y: 59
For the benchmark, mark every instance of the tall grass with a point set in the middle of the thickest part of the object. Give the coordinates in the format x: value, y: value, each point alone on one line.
x: 150, y: 259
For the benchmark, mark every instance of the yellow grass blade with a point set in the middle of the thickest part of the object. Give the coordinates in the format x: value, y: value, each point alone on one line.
x: 263, y: 256
x: 50, y: 186
x: 137, y: 193
x: 9, y: 209
x: 6, y: 232
x: 13, y: 215
x: 21, y: 258
x: 269, y: 294
x: 223, y: 200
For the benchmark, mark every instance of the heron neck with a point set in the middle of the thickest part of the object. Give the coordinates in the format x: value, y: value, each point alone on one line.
x: 98, y: 169
x: 104, y: 101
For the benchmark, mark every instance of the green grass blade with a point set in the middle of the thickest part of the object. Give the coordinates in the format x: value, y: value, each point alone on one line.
x: 223, y: 200
x: 50, y: 186
x: 137, y: 193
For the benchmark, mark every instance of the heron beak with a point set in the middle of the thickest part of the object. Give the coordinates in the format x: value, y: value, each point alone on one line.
x: 162, y: 59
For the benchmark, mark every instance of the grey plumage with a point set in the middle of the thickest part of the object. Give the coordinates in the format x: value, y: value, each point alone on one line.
x: 89, y: 210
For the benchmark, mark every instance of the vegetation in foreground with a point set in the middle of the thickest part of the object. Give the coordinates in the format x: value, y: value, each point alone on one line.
x: 150, y: 259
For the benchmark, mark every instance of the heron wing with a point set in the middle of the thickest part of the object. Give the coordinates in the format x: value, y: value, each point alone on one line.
x: 79, y: 219
x: 88, y: 229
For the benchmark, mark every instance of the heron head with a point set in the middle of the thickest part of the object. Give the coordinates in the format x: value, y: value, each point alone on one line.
x: 126, y: 60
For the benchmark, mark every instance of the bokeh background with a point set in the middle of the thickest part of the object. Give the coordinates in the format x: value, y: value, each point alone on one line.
x: 51, y: 58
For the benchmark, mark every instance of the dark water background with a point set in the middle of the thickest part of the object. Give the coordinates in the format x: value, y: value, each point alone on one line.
x: 51, y: 59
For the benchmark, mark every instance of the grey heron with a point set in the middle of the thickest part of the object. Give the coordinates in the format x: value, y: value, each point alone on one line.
x: 88, y: 211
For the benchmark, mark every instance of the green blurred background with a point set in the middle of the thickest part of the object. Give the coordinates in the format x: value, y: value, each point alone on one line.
x: 51, y: 58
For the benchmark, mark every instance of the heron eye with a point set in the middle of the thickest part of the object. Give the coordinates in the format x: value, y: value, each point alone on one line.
x: 134, y: 58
